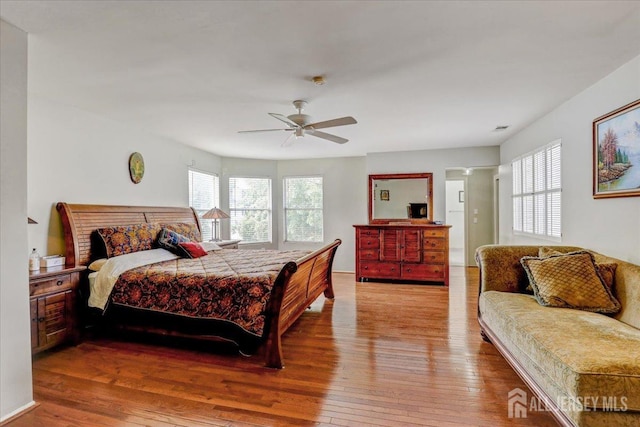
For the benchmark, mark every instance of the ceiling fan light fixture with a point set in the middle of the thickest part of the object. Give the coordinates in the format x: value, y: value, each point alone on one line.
x: 318, y: 80
x: 299, y: 133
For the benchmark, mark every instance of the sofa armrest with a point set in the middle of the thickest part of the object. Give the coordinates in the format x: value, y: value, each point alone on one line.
x: 500, y: 268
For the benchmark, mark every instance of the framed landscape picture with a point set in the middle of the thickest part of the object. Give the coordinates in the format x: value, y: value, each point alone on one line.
x: 616, y: 153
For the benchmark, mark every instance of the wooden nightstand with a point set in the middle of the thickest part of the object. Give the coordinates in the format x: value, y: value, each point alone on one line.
x: 53, y: 293
x: 228, y: 244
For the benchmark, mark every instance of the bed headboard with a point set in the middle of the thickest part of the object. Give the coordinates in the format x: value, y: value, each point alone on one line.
x: 79, y: 222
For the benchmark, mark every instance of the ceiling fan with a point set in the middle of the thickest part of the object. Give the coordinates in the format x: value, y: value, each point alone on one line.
x: 300, y: 124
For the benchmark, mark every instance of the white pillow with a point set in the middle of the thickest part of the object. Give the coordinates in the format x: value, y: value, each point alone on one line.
x: 210, y: 246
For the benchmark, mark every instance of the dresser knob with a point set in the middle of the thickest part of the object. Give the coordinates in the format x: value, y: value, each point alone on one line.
x: 59, y: 282
x: 41, y: 319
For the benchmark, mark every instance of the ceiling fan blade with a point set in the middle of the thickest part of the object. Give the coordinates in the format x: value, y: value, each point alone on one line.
x: 285, y: 119
x: 260, y: 130
x: 342, y: 121
x: 328, y: 136
x: 289, y: 141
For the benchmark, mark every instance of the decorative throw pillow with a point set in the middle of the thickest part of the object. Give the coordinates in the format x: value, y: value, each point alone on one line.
x: 571, y: 281
x: 126, y: 239
x: 193, y: 249
x: 170, y: 240
x: 189, y: 230
x: 607, y: 270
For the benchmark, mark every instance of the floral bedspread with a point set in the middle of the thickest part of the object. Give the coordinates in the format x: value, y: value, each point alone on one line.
x: 229, y: 284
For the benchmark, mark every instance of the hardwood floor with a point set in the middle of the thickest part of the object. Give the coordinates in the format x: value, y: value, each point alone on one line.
x: 379, y: 354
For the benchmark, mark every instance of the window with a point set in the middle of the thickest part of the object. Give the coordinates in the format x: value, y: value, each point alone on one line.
x: 303, y: 209
x: 250, y: 209
x: 537, y: 192
x: 204, y: 194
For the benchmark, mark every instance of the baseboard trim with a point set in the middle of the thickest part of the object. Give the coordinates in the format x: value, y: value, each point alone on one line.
x: 18, y: 412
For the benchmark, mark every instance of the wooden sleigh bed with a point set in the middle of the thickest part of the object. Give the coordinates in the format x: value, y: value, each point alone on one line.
x: 296, y: 285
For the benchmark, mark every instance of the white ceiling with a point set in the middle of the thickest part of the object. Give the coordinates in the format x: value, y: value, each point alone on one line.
x: 416, y: 75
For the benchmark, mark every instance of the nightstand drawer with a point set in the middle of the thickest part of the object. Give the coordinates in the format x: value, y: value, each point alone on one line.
x: 54, y: 284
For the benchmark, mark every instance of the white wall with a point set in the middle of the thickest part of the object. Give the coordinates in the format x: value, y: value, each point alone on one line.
x: 436, y: 162
x: 15, y: 349
x: 610, y: 226
x: 79, y: 157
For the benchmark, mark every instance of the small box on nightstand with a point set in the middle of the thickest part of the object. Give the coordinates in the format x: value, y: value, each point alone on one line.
x: 51, y: 261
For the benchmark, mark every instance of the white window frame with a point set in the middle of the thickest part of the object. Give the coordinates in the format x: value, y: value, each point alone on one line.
x: 205, y: 224
x: 537, y: 193
x: 234, y: 211
x: 287, y: 209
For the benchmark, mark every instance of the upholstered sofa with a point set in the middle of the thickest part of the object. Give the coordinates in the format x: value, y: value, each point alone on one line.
x: 584, y: 366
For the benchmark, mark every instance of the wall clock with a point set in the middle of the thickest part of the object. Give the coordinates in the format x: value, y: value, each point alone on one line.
x: 136, y: 167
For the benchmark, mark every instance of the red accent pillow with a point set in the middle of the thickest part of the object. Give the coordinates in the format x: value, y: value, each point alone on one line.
x: 194, y: 249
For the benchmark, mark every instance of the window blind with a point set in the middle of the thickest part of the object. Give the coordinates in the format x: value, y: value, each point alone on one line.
x: 204, y: 194
x: 303, y: 214
x: 250, y: 209
x: 537, y: 192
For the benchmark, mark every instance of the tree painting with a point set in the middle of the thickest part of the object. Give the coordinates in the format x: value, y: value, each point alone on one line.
x: 613, y: 161
x: 617, y: 152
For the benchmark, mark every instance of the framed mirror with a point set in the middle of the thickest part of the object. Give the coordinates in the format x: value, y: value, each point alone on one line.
x: 404, y: 197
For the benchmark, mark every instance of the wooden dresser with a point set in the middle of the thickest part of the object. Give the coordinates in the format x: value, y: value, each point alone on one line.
x: 412, y: 252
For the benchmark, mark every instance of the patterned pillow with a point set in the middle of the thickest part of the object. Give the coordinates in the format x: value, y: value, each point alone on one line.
x: 170, y: 240
x: 189, y: 230
x: 607, y: 270
x: 571, y: 281
x: 193, y: 249
x: 126, y: 239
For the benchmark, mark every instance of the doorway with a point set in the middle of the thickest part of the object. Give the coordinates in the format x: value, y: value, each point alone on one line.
x: 455, y: 217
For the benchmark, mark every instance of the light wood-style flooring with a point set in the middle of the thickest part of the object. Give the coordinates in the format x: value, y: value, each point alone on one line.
x: 378, y: 355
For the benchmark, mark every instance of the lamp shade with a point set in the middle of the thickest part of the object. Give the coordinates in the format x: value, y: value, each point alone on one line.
x: 215, y: 213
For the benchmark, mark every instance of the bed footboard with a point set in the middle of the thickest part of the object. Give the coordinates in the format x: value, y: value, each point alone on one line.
x: 297, y: 287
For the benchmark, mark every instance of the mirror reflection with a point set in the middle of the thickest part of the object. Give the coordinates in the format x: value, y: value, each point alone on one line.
x: 394, y: 197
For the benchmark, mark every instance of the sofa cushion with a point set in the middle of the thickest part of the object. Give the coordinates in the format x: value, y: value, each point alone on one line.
x: 582, y: 353
x: 569, y: 280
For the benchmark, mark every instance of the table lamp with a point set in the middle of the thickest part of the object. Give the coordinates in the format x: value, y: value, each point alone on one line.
x: 215, y: 214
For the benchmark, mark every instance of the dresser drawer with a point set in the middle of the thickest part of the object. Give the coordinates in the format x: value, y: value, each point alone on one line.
x: 53, y: 284
x: 366, y: 232
x: 369, y: 243
x: 427, y: 272
x: 433, y: 257
x: 369, y: 254
x: 379, y: 269
x: 438, y: 232
x: 433, y: 244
